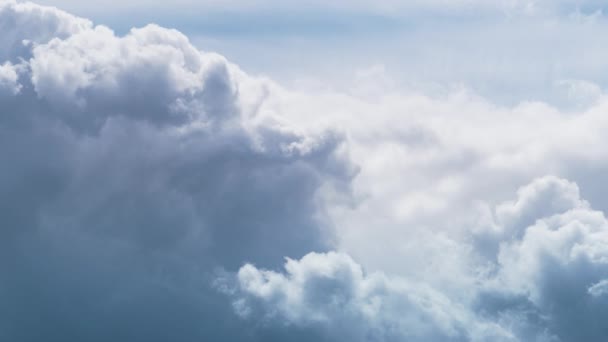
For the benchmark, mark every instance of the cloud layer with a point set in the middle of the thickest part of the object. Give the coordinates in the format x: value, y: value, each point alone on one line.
x: 151, y: 191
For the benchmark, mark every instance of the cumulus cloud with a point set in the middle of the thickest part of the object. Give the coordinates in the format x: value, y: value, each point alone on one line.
x: 133, y: 167
x: 547, y: 284
x: 151, y: 191
x: 24, y: 24
x: 557, y: 267
x: 331, y: 294
x: 544, y: 197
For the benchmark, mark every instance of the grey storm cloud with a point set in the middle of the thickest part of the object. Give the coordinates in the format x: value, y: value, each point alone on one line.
x: 151, y: 191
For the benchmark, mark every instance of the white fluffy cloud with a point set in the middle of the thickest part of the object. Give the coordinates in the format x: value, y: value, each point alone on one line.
x: 432, y: 168
x: 331, y: 293
x: 24, y: 24
x: 555, y: 271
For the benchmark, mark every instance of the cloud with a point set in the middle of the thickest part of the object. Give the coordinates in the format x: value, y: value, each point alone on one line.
x: 557, y: 267
x: 508, y: 51
x: 8, y: 79
x: 24, y: 24
x: 598, y: 289
x: 547, y: 283
x: 135, y: 166
x: 542, y: 198
x: 149, y: 111
x: 151, y: 191
x: 331, y: 294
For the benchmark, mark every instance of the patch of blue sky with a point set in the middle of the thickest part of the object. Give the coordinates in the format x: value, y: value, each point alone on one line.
x: 505, y: 56
x: 265, y: 23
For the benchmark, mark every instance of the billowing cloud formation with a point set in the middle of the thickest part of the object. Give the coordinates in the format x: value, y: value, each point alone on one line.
x: 548, y: 283
x: 151, y: 191
x: 331, y: 294
x: 132, y: 168
x: 552, y: 275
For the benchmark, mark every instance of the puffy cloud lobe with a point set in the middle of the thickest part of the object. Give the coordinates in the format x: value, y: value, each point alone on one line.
x: 599, y: 289
x: 551, y: 269
x: 331, y: 294
x: 542, y: 198
x: 24, y: 24
x: 555, y: 265
x: 133, y: 167
x: 9, y: 79
x: 152, y: 74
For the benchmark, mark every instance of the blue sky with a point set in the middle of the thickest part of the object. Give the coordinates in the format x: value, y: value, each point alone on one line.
x: 509, y: 51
